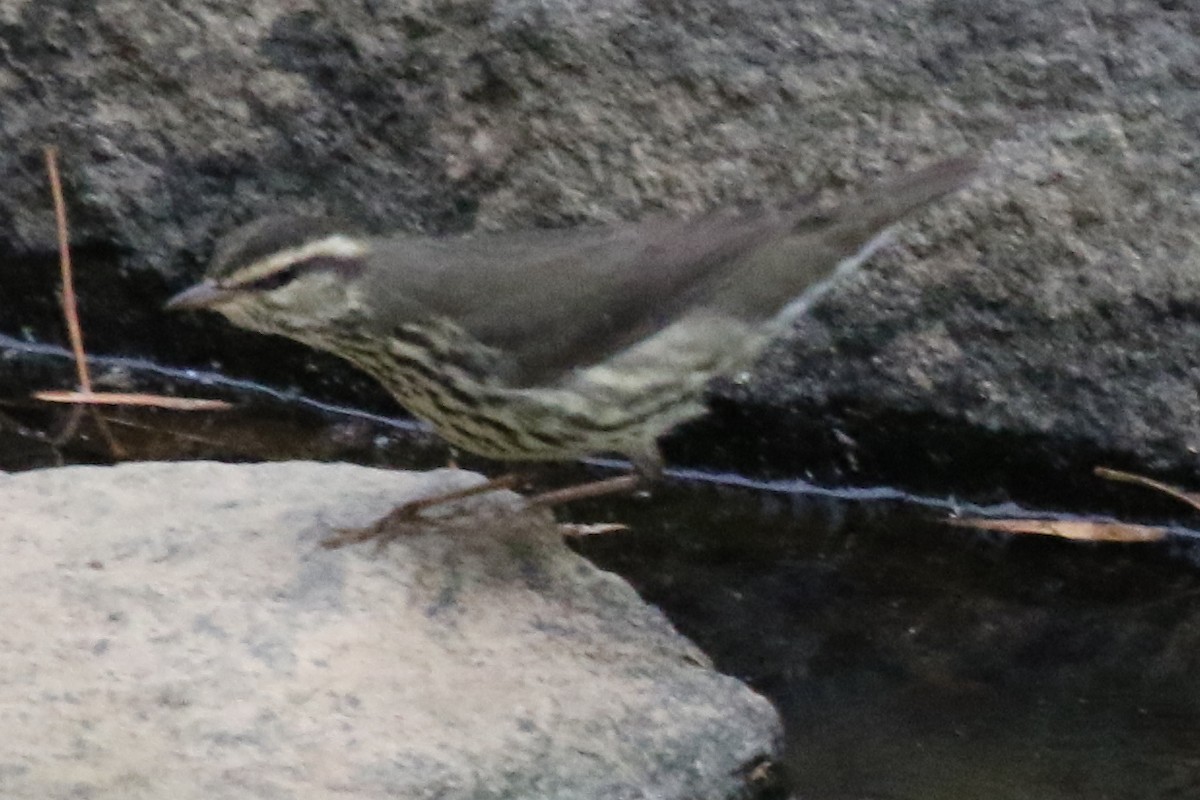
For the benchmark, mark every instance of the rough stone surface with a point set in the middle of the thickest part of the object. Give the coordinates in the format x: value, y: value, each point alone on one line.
x: 174, y: 630
x: 1056, y: 305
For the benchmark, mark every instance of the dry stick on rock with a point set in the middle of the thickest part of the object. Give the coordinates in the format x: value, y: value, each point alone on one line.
x: 85, y: 396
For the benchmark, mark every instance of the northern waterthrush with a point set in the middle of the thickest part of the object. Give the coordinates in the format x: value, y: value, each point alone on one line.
x: 554, y: 344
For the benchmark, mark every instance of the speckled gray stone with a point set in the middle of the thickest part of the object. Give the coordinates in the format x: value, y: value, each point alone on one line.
x: 175, y: 630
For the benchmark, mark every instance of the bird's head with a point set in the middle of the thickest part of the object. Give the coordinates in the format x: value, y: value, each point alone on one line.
x: 289, y: 275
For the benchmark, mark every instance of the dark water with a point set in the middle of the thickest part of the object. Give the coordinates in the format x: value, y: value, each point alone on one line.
x: 909, y: 659
x: 914, y: 661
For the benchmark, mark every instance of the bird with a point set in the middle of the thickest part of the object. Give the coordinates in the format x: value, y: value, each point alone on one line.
x: 555, y: 344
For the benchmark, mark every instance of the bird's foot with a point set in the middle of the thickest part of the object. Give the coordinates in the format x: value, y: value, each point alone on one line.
x: 409, y: 518
x: 406, y: 519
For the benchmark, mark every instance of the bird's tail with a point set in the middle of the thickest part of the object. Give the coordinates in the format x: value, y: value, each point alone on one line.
x: 861, y: 218
x: 823, y: 246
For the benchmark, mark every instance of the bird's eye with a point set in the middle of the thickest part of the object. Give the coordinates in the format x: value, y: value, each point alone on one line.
x: 273, y: 280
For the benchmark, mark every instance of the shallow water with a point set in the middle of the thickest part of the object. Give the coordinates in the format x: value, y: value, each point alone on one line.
x: 909, y: 659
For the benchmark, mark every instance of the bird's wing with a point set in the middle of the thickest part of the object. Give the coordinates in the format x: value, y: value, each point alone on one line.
x: 551, y: 301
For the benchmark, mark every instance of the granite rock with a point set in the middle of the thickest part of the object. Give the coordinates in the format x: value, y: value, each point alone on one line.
x: 175, y: 630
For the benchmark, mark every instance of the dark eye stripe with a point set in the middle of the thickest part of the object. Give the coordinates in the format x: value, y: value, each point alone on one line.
x: 346, y: 266
x: 274, y: 280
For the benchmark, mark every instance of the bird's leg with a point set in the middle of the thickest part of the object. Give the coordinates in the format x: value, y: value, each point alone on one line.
x: 392, y: 525
x: 647, y: 469
x: 585, y: 491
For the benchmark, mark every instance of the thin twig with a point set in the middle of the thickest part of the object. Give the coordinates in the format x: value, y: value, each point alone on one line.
x: 1078, y: 529
x: 156, y: 429
x: 126, y: 399
x: 85, y: 398
x: 74, y: 331
x: 1191, y: 498
x: 70, y: 306
x: 70, y: 428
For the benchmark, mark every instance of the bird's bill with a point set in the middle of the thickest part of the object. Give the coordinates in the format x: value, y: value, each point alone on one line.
x: 202, y: 295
